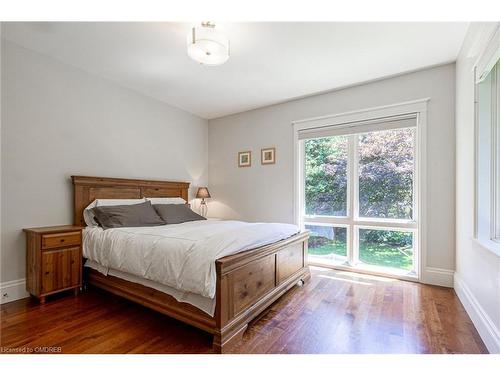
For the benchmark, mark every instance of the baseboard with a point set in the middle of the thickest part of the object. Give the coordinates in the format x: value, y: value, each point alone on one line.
x: 437, y: 276
x: 483, y: 323
x: 13, y: 290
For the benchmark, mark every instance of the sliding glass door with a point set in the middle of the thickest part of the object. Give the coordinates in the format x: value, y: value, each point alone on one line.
x: 358, y: 195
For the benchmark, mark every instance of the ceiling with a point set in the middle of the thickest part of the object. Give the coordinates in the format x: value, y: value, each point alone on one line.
x: 269, y: 63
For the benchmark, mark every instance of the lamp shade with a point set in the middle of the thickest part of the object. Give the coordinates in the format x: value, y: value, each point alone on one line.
x: 202, y: 193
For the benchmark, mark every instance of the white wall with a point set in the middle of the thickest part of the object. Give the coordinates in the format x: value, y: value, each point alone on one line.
x: 58, y: 121
x: 477, y: 278
x: 265, y: 193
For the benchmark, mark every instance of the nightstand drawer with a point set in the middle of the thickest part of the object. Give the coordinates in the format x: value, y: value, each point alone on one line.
x: 60, y: 269
x: 50, y: 241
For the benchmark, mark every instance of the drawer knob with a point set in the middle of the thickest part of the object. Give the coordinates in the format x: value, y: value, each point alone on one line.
x: 62, y: 239
x: 47, y: 272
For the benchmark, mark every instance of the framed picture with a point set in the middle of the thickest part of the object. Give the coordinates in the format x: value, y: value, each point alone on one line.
x: 244, y: 159
x: 268, y: 155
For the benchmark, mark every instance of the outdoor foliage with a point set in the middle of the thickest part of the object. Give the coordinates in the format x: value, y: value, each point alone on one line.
x: 386, y: 174
x: 326, y: 176
x: 391, y: 248
x: 385, y: 168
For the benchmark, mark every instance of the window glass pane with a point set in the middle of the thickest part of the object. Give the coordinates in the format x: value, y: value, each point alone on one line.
x: 497, y: 150
x: 327, y: 244
x: 484, y: 151
x: 326, y: 176
x: 386, y: 174
x: 387, y: 248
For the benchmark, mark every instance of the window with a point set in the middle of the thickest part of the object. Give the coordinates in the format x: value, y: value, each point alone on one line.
x: 358, y: 193
x: 488, y: 158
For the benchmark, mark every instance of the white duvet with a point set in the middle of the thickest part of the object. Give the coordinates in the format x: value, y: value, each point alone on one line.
x: 181, y: 256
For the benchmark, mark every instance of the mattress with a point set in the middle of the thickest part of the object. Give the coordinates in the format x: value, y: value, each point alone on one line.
x: 178, y: 256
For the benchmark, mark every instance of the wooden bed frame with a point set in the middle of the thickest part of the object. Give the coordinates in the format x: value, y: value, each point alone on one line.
x: 247, y: 282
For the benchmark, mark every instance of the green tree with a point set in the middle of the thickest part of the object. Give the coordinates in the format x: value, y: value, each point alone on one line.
x: 326, y: 176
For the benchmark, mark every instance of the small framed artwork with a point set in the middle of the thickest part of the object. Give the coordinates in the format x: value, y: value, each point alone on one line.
x: 244, y: 159
x: 268, y: 156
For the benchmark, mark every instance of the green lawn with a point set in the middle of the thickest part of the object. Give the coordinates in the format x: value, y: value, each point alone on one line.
x: 376, y: 254
x: 334, y: 247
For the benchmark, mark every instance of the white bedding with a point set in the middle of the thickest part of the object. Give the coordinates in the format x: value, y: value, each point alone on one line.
x: 203, y: 303
x: 181, y: 256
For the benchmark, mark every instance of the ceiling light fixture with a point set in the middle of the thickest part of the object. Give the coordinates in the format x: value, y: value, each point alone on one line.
x: 207, y: 45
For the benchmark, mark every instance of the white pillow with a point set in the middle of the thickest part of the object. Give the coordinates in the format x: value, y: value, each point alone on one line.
x: 88, y: 216
x: 118, y: 202
x: 166, y: 200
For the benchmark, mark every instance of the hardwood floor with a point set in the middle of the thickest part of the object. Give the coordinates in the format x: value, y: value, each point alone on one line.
x: 335, y: 312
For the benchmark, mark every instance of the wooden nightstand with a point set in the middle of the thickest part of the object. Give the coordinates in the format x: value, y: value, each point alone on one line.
x: 53, y: 260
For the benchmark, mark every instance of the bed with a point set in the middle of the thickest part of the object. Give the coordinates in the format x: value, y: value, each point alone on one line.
x: 244, y: 283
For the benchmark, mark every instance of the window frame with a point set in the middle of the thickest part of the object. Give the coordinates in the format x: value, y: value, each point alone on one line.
x: 354, y: 221
x: 487, y: 234
x: 488, y: 64
x: 417, y: 108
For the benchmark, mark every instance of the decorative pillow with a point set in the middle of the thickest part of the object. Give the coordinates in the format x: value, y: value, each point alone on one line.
x: 176, y: 213
x: 133, y: 215
x: 166, y: 200
x: 88, y: 214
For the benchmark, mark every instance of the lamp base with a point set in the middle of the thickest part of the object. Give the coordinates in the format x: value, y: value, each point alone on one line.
x: 203, y: 208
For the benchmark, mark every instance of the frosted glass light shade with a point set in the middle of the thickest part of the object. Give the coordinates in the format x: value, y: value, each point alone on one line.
x: 207, y: 45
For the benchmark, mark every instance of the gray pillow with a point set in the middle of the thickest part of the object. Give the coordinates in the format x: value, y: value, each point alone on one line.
x: 132, y: 215
x: 176, y: 213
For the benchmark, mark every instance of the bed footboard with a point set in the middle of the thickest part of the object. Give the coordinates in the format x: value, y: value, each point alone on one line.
x: 249, y: 282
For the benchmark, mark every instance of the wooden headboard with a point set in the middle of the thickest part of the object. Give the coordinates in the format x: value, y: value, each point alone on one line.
x: 87, y: 189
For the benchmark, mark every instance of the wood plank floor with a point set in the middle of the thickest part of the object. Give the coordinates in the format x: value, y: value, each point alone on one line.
x: 335, y: 312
